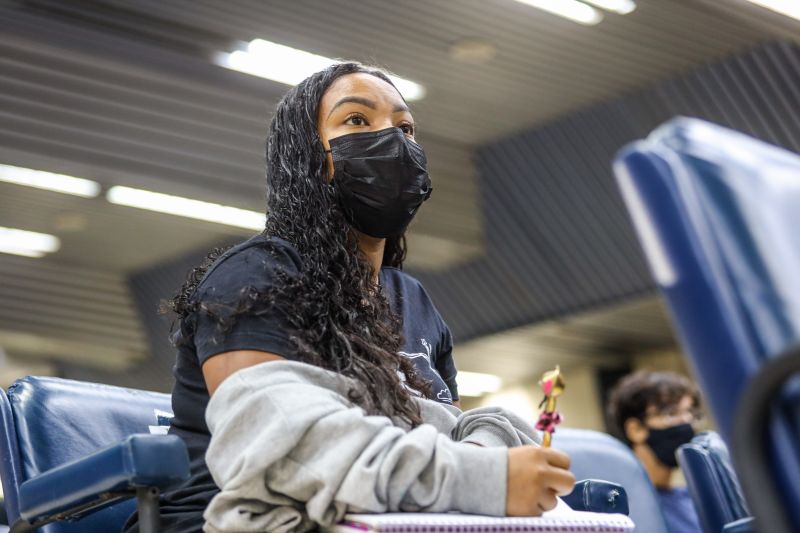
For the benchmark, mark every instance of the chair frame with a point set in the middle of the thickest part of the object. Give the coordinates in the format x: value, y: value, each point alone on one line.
x: 750, y: 449
x: 146, y: 504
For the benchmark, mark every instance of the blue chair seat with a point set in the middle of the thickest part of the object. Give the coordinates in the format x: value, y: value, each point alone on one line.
x: 597, y: 455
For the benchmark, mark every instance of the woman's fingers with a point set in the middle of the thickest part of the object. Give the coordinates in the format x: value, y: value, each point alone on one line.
x: 559, y: 480
x: 556, y: 458
x: 548, y: 501
x: 535, y: 477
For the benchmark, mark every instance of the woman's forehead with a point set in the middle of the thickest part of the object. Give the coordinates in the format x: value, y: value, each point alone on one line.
x: 364, y: 85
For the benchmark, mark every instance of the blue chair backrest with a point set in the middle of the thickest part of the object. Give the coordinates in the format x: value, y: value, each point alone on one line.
x: 712, y: 481
x: 49, y: 421
x: 597, y: 455
x: 717, y: 214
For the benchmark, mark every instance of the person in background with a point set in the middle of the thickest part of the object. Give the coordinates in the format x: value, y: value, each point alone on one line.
x: 654, y: 413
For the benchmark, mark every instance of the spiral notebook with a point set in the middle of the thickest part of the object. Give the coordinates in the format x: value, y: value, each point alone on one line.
x: 560, y: 519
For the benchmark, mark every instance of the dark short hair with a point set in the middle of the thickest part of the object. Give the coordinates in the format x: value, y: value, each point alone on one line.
x: 635, y: 393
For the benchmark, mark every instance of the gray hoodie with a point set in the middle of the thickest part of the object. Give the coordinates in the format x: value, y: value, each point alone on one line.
x: 290, y: 452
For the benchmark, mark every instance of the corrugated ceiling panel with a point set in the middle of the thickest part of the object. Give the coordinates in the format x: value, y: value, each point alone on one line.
x: 150, y: 287
x: 545, y: 65
x: 140, y: 115
x: 558, y: 236
x: 68, y: 313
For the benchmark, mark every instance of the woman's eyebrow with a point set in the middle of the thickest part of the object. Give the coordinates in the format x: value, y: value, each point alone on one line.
x: 353, y: 99
x: 365, y: 102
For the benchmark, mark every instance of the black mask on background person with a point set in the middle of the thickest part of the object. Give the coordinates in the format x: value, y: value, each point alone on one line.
x: 381, y: 178
x: 665, y: 442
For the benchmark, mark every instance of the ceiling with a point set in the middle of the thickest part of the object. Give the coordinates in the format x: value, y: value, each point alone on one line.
x: 125, y: 93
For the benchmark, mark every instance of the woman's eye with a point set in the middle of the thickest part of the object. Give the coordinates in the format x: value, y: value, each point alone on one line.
x: 356, y: 120
x: 408, y: 129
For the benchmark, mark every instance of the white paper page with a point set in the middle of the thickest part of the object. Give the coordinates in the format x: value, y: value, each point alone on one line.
x: 561, y: 509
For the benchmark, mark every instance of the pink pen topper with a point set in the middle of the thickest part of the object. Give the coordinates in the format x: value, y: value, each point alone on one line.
x: 552, y: 384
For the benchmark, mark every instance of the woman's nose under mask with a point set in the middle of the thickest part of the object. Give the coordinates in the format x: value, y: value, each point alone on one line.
x: 381, y: 178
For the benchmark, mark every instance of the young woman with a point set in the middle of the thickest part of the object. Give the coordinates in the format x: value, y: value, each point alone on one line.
x: 314, y: 376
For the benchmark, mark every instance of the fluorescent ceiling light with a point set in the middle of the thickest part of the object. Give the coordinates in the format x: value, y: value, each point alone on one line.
x: 27, y: 243
x: 185, y: 207
x: 623, y: 7
x: 289, y: 65
x: 570, y: 9
x: 477, y: 384
x: 49, y: 181
x: 790, y: 8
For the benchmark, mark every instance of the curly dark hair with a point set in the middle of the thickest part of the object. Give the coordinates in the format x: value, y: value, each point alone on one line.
x: 339, y: 319
x: 635, y: 393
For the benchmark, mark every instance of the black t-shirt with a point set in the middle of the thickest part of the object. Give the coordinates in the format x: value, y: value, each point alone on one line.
x: 255, y: 263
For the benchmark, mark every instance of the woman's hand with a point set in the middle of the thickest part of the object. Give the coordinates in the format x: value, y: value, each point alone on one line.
x: 535, y: 477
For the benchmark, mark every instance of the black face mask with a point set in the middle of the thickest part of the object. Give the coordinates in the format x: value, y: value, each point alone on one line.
x: 665, y: 442
x: 381, y: 178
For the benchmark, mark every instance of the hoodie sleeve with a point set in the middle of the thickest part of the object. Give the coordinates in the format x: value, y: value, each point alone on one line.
x: 494, y: 426
x: 288, y: 451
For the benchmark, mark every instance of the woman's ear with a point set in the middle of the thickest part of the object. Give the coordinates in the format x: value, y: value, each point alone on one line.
x: 328, y: 157
x: 635, y: 431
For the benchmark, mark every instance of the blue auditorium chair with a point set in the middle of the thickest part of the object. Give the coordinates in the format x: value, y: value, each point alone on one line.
x: 597, y: 455
x: 713, y: 483
x: 79, y: 456
x: 717, y: 213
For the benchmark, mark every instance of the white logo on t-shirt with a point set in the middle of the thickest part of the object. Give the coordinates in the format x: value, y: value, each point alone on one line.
x: 443, y: 395
x: 416, y: 355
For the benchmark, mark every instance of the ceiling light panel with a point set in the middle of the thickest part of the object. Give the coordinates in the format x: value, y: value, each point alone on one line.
x: 569, y: 9
x: 790, y: 8
x: 289, y: 65
x: 186, y: 207
x: 27, y: 243
x: 477, y: 384
x: 622, y: 7
x: 49, y: 181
